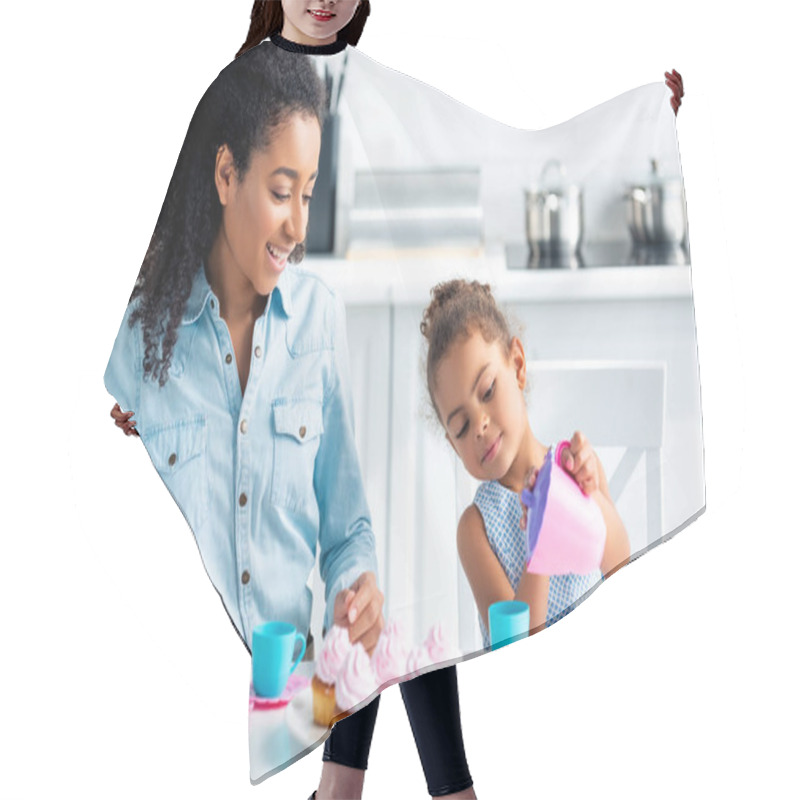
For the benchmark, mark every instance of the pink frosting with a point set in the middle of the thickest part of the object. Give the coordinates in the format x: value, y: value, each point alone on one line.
x: 356, y: 680
x: 438, y: 646
x: 334, y: 650
x: 394, y: 628
x: 391, y: 654
x: 418, y: 659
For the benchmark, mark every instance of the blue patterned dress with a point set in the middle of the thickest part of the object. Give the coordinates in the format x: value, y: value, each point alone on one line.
x: 502, y: 512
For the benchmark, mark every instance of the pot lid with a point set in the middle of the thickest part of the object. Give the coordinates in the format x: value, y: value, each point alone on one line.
x: 655, y: 178
x: 552, y: 179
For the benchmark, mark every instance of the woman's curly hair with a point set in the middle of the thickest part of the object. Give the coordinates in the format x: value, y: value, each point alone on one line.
x: 248, y: 101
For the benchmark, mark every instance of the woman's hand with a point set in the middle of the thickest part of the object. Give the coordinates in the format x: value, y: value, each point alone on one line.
x: 580, y: 461
x: 124, y: 420
x: 360, y: 610
x: 675, y: 82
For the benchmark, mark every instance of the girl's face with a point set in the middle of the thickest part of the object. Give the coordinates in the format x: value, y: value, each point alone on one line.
x: 265, y: 212
x: 479, y: 399
x: 316, y: 22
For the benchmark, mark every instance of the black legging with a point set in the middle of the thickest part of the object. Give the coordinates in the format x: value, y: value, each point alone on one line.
x: 432, y: 706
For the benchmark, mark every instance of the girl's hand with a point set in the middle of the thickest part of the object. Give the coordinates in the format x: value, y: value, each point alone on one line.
x: 360, y: 610
x: 580, y: 460
x: 124, y: 420
x: 675, y: 82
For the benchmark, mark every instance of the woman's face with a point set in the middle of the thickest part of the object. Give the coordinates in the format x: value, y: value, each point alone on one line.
x: 479, y: 398
x: 316, y: 22
x: 265, y: 212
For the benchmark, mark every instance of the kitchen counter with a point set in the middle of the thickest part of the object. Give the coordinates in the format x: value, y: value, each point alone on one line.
x: 408, y: 280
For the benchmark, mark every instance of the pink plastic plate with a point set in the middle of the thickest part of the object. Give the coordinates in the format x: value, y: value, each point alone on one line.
x: 296, y: 684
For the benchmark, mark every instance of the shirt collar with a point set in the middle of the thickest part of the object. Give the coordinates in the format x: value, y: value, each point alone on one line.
x: 283, y: 290
x: 201, y: 294
x: 310, y: 50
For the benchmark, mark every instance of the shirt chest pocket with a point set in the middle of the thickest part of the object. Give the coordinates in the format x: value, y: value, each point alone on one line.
x: 298, y: 432
x: 178, y: 452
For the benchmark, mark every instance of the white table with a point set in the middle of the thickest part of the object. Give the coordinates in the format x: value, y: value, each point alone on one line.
x: 274, y: 741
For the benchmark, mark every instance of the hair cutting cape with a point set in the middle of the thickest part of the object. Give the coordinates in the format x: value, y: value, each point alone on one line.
x: 334, y: 457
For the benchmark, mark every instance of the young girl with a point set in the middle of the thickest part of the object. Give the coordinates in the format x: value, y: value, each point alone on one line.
x: 314, y: 23
x: 476, y: 374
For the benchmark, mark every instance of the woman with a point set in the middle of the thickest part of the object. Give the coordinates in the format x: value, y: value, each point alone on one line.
x: 235, y: 364
x: 431, y: 700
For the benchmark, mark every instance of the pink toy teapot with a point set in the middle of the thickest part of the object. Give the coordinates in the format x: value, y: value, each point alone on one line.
x: 566, y: 529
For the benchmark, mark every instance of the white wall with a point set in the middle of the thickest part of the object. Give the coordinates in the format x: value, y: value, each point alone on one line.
x: 393, y: 123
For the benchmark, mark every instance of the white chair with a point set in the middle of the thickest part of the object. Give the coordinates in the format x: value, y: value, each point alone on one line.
x: 616, y: 404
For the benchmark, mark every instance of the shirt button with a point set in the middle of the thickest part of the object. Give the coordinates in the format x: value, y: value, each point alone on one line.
x: 258, y: 351
x: 228, y: 358
x: 303, y: 432
x: 213, y: 304
x: 243, y: 426
x: 172, y: 459
x: 245, y: 577
x: 243, y: 499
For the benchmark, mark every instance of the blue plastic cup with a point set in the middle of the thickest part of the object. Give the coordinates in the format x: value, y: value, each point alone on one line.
x: 273, y: 657
x: 508, y: 619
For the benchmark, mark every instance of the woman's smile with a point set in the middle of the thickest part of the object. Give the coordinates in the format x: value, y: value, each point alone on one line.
x: 278, y: 256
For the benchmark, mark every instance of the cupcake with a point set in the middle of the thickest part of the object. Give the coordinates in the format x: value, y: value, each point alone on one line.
x: 418, y: 659
x: 439, y: 647
x: 391, y: 654
x: 356, y: 680
x: 335, y: 647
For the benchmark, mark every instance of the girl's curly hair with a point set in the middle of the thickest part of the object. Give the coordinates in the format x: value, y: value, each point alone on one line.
x: 243, y: 107
x: 459, y: 308
x: 266, y: 19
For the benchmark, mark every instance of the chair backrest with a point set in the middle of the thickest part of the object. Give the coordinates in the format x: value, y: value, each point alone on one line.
x: 616, y: 404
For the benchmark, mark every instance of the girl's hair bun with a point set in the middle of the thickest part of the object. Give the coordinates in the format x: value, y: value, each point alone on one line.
x: 457, y: 309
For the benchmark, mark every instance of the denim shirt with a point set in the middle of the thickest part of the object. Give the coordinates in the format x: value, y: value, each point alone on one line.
x: 262, y: 478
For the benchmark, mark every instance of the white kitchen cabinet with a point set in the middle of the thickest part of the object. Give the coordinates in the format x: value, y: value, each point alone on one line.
x: 422, y: 586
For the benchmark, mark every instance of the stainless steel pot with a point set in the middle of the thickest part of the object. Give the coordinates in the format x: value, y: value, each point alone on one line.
x: 554, y: 214
x: 657, y: 210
